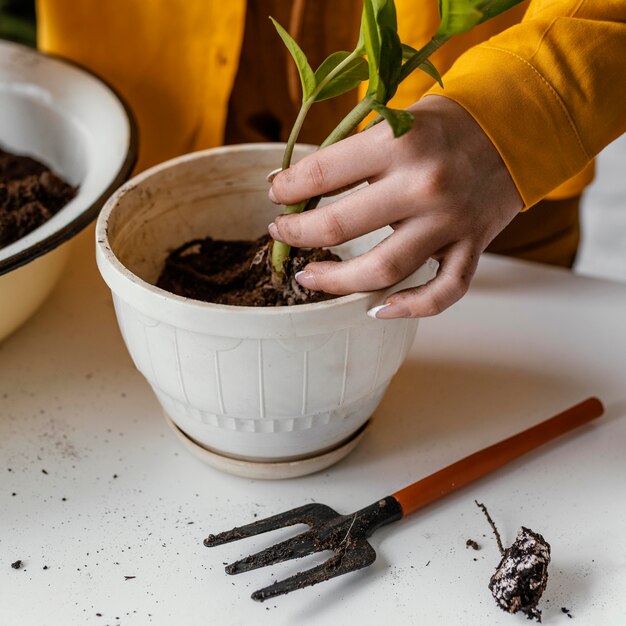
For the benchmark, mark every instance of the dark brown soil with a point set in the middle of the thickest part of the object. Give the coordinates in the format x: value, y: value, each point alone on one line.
x: 522, y: 575
x: 30, y: 194
x: 470, y: 543
x: 238, y: 273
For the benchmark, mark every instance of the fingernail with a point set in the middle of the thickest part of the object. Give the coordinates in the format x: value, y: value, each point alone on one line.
x: 388, y: 311
x: 272, y: 175
x: 271, y: 196
x: 272, y: 229
x: 306, y: 279
x: 373, y: 312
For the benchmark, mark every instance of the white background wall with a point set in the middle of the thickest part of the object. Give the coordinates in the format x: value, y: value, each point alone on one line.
x: 603, y: 251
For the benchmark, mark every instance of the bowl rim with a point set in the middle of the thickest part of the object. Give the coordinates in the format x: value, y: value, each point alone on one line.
x: 90, y: 212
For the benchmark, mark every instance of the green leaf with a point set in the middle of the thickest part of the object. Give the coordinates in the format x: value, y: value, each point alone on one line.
x: 387, y: 15
x: 426, y: 66
x: 348, y: 78
x: 307, y: 78
x: 369, y: 41
x: 407, y: 51
x: 390, y: 62
x: 459, y: 16
x: 495, y: 7
x: 399, y: 120
x: 371, y: 9
x: 431, y: 70
x: 380, y: 42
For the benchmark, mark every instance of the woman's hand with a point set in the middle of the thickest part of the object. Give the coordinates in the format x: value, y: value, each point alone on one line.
x: 442, y: 187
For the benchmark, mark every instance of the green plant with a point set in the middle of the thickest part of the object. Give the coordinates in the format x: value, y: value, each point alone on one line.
x: 384, y: 61
x: 17, y: 21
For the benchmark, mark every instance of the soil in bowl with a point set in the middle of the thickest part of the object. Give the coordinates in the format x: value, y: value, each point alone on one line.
x: 238, y: 273
x: 30, y: 194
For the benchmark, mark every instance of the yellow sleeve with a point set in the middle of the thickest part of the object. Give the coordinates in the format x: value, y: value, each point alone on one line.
x: 550, y: 92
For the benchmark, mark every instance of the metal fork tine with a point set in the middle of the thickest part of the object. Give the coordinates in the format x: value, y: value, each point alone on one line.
x: 359, y: 556
x: 293, y: 548
x: 306, y: 514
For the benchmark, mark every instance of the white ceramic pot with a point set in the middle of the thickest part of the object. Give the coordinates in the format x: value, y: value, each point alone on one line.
x: 68, y: 118
x: 261, y: 384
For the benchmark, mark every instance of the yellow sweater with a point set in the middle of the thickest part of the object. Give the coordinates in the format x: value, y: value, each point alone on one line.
x: 550, y: 90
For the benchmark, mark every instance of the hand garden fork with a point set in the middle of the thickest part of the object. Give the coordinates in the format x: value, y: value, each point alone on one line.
x: 346, y: 535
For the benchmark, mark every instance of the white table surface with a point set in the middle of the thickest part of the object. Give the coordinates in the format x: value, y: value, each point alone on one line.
x: 121, y: 497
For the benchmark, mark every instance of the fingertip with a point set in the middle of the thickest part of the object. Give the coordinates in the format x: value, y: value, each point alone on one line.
x: 390, y: 311
x: 373, y: 312
x: 320, y: 276
x: 272, y: 175
x: 272, y: 229
x: 306, y: 278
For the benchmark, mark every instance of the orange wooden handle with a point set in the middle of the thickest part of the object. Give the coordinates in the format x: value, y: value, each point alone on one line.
x: 485, y: 461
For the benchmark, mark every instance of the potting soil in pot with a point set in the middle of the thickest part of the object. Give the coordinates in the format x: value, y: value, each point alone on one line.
x: 238, y: 273
x: 30, y: 194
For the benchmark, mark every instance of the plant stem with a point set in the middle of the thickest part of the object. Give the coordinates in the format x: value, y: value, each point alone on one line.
x: 421, y: 55
x: 307, y: 104
x: 350, y: 122
x: 295, y: 131
x: 281, y: 251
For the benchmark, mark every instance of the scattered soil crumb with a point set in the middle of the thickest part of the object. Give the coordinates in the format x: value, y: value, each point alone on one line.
x: 470, y: 543
x: 17, y: 564
x: 567, y: 612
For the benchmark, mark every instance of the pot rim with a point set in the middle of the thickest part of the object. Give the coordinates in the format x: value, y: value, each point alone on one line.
x: 90, y: 212
x: 107, y: 256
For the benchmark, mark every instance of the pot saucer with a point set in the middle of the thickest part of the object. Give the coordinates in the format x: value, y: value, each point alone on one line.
x: 269, y: 470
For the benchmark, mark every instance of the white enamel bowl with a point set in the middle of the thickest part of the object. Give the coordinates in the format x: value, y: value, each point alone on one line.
x: 64, y: 116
